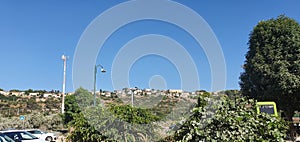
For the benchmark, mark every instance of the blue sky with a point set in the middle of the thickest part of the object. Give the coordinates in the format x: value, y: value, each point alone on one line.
x: 34, y: 34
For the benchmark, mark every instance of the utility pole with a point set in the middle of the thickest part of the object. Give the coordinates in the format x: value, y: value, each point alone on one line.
x: 131, y: 98
x: 95, y: 77
x: 64, y: 58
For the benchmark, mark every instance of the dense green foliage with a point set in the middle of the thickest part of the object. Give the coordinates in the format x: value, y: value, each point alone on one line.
x: 233, y: 121
x: 272, y: 67
x: 99, y: 124
x: 82, y: 131
x: 4, y: 98
x: 111, y: 123
x: 71, y: 108
x: 132, y: 114
x: 227, y: 119
x: 232, y: 94
x: 34, y: 120
x: 12, y: 105
x: 75, y: 103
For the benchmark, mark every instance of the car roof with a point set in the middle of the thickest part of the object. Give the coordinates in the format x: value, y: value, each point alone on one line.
x: 32, y: 130
x: 3, y: 131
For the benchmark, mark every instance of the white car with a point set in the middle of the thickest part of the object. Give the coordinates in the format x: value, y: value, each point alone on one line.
x: 21, y: 136
x: 42, y: 135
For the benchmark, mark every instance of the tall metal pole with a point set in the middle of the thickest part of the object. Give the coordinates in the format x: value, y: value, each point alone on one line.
x: 95, y: 72
x: 131, y: 98
x: 64, y: 58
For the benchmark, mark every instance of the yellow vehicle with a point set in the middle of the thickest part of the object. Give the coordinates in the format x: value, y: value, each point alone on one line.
x: 267, y: 107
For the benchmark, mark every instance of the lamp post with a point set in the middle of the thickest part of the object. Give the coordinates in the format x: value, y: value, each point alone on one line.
x: 131, y: 98
x: 95, y: 72
x: 64, y: 58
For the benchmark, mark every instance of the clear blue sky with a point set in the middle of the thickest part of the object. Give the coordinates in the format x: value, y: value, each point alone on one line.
x: 34, y: 34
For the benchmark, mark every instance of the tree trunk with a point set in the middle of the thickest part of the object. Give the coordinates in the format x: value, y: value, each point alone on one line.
x: 292, y: 129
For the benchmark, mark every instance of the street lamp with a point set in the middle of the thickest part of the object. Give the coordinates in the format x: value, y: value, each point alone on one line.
x: 95, y: 72
x: 64, y: 58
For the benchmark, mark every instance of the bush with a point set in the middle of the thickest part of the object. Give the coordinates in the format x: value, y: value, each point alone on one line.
x: 233, y: 121
x: 34, y: 120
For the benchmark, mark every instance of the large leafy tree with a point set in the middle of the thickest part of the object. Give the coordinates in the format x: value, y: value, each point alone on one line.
x: 82, y: 98
x: 272, y: 67
x: 71, y: 108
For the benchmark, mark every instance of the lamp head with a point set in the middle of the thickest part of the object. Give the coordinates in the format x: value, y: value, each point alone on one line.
x: 103, y: 70
x: 63, y: 57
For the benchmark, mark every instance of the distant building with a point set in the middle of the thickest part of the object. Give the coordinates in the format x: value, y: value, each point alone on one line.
x: 4, y: 93
x: 118, y: 91
x: 138, y: 91
x: 46, y: 95
x: 193, y: 94
x: 57, y: 95
x: 175, y: 91
x: 33, y: 94
x: 185, y: 94
x: 107, y: 94
x: 70, y: 93
x: 17, y: 93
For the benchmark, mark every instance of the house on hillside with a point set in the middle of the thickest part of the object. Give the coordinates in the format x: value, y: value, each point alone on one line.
x: 177, y: 91
x: 71, y: 93
x: 59, y: 95
x: 19, y: 94
x: 118, y: 92
x: 185, y: 94
x: 47, y: 95
x: 107, y: 93
x: 33, y: 94
x: 147, y: 91
x: 4, y: 93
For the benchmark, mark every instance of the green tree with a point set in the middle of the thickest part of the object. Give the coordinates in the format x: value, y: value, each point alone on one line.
x: 84, y: 98
x: 71, y: 108
x: 230, y: 122
x: 75, y: 103
x: 133, y: 114
x: 82, y: 131
x: 113, y: 122
x: 272, y: 67
x: 232, y: 94
x: 28, y: 91
x: 77, y: 108
x: 14, y: 90
x: 96, y: 124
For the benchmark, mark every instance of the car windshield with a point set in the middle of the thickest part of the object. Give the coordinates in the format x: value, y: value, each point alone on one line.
x: 20, y: 135
x: 35, y: 132
x: 4, y: 138
x: 27, y: 136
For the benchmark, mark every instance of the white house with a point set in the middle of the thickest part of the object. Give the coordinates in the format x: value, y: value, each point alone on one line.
x: 175, y: 91
x: 17, y: 93
x: 4, y: 93
x: 46, y: 95
x: 33, y: 94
